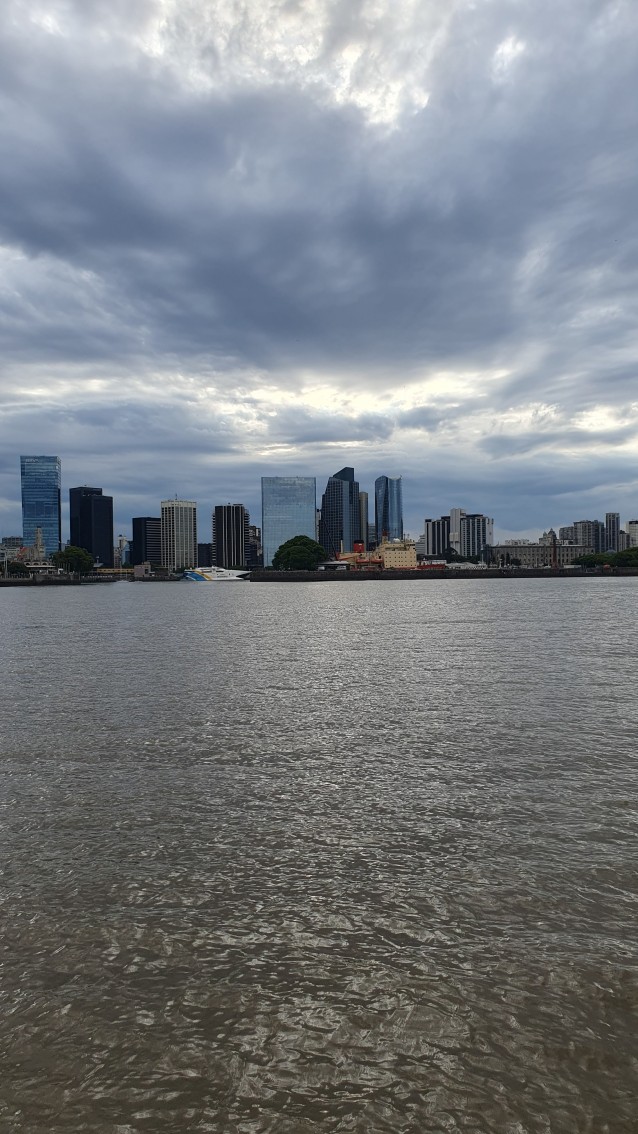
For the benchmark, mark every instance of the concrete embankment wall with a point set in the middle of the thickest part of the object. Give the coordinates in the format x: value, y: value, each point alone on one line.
x: 263, y: 576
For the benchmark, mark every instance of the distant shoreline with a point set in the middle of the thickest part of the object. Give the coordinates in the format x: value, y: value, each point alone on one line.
x: 262, y: 576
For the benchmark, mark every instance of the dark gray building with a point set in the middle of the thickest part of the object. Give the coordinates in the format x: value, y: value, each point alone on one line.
x: 340, y: 524
x: 204, y: 555
x: 612, y: 531
x: 146, y: 545
x: 230, y: 535
x: 91, y: 516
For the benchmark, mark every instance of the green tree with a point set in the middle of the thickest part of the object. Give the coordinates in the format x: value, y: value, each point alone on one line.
x: 75, y: 560
x: 298, y: 554
x: 15, y: 567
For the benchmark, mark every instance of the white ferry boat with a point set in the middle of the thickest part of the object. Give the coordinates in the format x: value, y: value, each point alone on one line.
x: 214, y: 575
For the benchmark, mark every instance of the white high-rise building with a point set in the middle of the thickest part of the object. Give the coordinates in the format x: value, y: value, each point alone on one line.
x: 178, y: 531
x: 456, y: 516
x: 477, y: 533
x: 631, y: 527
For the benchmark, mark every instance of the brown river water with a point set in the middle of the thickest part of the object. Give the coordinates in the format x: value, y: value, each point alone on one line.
x: 319, y: 858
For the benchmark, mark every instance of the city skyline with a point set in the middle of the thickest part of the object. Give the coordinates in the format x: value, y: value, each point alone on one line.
x: 304, y: 251
x: 122, y: 525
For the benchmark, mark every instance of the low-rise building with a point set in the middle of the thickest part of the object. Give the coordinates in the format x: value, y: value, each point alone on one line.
x: 537, y: 554
x: 397, y: 555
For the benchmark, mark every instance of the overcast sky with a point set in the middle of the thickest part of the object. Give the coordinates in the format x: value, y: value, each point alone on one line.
x: 263, y: 237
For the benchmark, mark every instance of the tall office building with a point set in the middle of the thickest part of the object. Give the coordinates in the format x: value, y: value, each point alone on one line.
x: 146, y: 545
x: 363, y: 520
x: 91, y: 522
x: 436, y: 536
x: 254, y: 555
x: 590, y: 533
x: 230, y: 535
x: 339, y: 526
x: 612, y: 529
x: 41, y: 479
x: 388, y: 508
x: 477, y: 534
x: 631, y: 527
x: 456, y: 517
x: 288, y: 507
x: 178, y: 534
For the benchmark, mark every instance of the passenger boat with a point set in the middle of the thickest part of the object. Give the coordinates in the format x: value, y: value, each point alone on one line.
x: 214, y: 575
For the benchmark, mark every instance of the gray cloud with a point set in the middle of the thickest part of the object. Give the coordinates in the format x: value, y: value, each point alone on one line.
x: 181, y: 214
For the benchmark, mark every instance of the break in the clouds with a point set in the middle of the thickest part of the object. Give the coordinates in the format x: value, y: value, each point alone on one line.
x: 253, y: 237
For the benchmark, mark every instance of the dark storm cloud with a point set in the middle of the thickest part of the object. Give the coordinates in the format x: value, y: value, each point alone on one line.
x: 158, y: 231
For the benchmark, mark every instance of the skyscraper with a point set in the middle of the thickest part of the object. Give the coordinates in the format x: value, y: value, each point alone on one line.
x: 230, y: 535
x: 179, y: 534
x: 590, y: 533
x: 363, y: 520
x: 612, y: 529
x: 147, y: 540
x: 436, y: 536
x: 388, y: 508
x: 41, y: 479
x: 91, y: 522
x: 288, y: 505
x: 339, y: 527
x: 477, y: 534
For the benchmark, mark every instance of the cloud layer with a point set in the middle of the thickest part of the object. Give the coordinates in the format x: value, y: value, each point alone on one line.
x: 245, y: 238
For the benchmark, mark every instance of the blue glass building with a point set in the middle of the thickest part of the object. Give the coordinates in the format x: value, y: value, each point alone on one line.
x: 288, y: 509
x: 340, y: 525
x: 41, y: 479
x: 388, y: 508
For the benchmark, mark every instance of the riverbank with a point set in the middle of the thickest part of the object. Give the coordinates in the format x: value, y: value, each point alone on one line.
x: 264, y: 576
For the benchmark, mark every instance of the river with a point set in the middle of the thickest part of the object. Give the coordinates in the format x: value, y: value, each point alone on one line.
x: 319, y: 858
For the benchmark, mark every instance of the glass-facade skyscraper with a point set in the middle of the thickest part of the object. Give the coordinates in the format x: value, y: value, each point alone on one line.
x: 340, y: 524
x: 41, y: 480
x: 288, y: 506
x: 388, y: 508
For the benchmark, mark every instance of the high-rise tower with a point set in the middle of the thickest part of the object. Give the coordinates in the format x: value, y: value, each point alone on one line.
x: 339, y: 526
x: 388, y: 508
x: 230, y: 535
x: 91, y: 522
x: 288, y: 506
x: 179, y: 534
x: 40, y: 479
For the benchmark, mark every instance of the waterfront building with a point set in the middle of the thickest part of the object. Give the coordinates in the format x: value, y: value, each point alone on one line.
x: 230, y: 535
x: 254, y: 554
x: 204, y: 555
x: 612, y: 528
x: 9, y: 547
x: 146, y: 545
x: 122, y: 552
x: 477, y: 534
x: 40, y: 480
x: 363, y: 520
x: 537, y: 555
x: 178, y: 534
x: 631, y: 527
x: 388, y: 508
x: 590, y: 533
x: 623, y: 541
x: 91, y: 523
x: 339, y: 526
x: 288, y: 509
x: 398, y: 554
x: 455, y: 539
x: 436, y: 537
x: 567, y: 534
